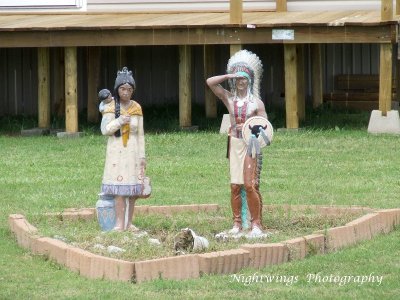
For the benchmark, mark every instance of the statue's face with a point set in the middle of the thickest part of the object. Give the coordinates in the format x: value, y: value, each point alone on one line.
x: 242, y: 83
x: 125, y: 92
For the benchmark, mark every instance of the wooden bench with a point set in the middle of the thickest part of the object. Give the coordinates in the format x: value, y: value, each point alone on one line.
x: 357, y: 91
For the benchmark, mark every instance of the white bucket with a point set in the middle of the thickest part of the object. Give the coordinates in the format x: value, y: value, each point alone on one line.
x: 200, y: 243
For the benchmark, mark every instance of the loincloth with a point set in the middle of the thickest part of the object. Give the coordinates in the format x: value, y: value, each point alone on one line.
x: 237, y: 153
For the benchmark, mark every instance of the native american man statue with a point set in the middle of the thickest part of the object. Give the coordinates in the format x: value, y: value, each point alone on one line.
x: 249, y: 131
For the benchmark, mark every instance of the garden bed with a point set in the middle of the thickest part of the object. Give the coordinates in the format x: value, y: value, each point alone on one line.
x: 85, y: 233
x: 75, y: 234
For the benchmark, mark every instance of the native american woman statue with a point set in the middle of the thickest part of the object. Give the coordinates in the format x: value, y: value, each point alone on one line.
x: 125, y: 160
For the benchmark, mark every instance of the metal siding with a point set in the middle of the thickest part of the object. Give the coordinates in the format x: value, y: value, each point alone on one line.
x: 155, y: 70
x: 30, y: 79
x: 198, y: 80
x: 349, y: 59
x: 375, y: 52
x: 365, y: 58
x: 57, y: 96
x: 3, y: 82
x: 82, y: 78
x: 14, y: 73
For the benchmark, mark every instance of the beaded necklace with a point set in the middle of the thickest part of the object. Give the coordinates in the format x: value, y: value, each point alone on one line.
x: 240, y: 112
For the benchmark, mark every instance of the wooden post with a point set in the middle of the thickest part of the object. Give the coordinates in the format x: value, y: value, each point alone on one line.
x: 185, y: 90
x: 291, y: 86
x: 397, y: 7
x: 397, y: 76
x: 301, y: 93
x: 387, y: 10
x: 209, y: 70
x: 281, y: 5
x: 93, y: 71
x: 385, y: 78
x: 71, y: 101
x: 234, y: 48
x: 236, y: 11
x: 44, y: 87
x: 316, y: 74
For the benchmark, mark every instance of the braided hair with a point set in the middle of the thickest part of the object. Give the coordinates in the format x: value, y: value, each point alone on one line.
x: 117, y: 111
x: 124, y: 76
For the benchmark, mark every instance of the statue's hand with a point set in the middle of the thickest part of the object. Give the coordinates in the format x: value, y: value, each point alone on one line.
x: 124, y: 119
x: 143, y: 163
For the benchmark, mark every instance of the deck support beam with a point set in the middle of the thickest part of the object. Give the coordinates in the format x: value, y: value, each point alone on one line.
x: 316, y: 74
x: 209, y: 70
x: 44, y: 88
x: 397, y: 74
x: 385, y: 78
x: 385, y: 120
x: 307, y: 34
x: 71, y: 99
x: 291, y: 86
x: 93, y: 71
x: 185, y: 90
x: 234, y: 48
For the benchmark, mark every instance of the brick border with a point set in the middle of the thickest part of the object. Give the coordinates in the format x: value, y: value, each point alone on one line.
x: 256, y: 256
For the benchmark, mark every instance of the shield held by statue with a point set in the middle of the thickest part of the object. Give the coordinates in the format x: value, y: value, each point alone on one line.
x: 260, y: 128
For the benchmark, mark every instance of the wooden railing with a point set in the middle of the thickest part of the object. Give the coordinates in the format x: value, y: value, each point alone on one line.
x: 236, y: 9
x: 281, y: 5
x: 387, y: 10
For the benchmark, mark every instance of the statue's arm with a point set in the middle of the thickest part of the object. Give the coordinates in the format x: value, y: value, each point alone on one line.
x: 215, y: 85
x: 261, y: 109
x: 141, y: 142
x: 109, y: 125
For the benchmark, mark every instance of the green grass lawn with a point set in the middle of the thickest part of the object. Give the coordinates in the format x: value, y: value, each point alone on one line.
x: 327, y: 167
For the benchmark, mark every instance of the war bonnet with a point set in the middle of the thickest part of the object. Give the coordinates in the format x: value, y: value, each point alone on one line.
x: 246, y: 64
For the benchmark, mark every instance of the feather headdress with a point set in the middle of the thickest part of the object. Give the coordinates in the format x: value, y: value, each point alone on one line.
x: 249, y: 63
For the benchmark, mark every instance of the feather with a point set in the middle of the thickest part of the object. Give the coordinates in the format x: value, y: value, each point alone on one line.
x: 246, y: 61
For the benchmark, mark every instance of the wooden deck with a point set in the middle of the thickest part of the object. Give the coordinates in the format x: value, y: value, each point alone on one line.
x: 293, y: 29
x: 31, y: 21
x: 104, y: 29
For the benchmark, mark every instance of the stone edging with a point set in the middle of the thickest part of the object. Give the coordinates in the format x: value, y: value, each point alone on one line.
x: 221, y: 262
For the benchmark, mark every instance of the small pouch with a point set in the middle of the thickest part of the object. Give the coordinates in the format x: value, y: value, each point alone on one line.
x: 146, y: 187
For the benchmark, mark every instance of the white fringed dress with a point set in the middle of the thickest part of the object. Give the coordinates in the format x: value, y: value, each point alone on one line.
x: 122, y: 165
